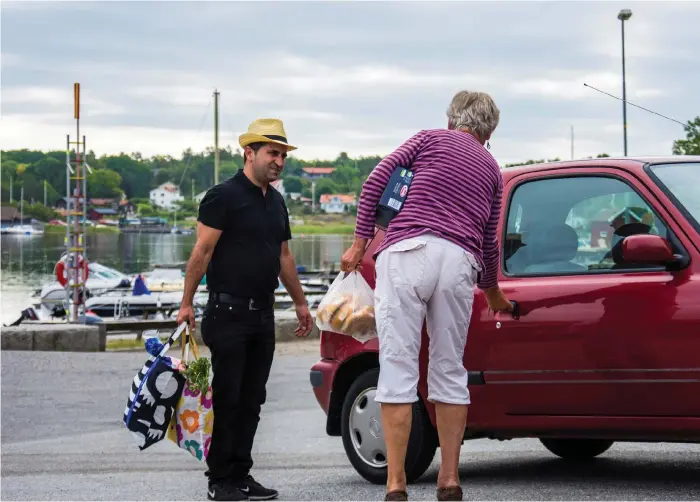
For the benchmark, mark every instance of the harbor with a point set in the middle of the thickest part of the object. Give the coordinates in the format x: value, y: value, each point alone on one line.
x: 156, y: 261
x: 80, y: 285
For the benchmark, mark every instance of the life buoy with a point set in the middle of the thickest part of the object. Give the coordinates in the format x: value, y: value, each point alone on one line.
x: 62, y: 270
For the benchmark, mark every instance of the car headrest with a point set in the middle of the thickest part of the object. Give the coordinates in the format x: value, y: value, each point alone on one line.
x: 556, y: 243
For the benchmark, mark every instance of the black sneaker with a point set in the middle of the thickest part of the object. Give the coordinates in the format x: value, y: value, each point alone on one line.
x: 225, y: 491
x: 254, y: 490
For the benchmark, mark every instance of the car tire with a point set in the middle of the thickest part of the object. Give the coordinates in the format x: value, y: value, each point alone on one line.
x: 358, y: 429
x: 577, y: 449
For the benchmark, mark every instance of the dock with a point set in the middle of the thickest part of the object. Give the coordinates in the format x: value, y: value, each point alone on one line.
x: 145, y: 230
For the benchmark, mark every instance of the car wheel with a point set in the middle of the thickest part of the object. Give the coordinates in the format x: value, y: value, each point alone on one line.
x: 577, y: 449
x: 363, y: 438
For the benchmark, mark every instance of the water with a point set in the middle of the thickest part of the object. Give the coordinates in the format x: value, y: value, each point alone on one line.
x: 28, y: 261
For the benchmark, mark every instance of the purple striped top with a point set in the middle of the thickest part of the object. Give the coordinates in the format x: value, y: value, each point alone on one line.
x: 455, y: 194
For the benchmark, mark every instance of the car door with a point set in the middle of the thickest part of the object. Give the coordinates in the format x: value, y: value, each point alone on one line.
x: 588, y: 338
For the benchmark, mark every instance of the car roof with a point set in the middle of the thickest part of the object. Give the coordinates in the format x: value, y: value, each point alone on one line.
x: 628, y: 163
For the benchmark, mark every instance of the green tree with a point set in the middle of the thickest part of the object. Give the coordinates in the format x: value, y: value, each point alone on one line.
x: 293, y: 184
x: 324, y: 186
x: 690, y: 145
x: 52, y: 170
x: 226, y: 170
x: 145, y: 210
x: 23, y: 156
x: 188, y: 206
x: 137, y: 176
x: 104, y: 183
x: 39, y: 211
x: 8, y: 176
x: 293, y: 167
x: 344, y: 177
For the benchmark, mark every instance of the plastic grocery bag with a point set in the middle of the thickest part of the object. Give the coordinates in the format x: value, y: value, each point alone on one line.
x: 348, y: 307
x: 192, y: 423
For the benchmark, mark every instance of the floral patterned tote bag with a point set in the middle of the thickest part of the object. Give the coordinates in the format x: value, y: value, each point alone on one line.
x: 192, y: 423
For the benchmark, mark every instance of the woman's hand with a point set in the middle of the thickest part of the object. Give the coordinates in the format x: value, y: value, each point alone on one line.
x: 352, y: 257
x: 497, y: 300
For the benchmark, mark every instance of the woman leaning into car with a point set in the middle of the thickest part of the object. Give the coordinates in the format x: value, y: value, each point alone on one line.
x: 435, y: 250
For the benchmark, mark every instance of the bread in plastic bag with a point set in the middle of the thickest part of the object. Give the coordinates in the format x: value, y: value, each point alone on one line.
x: 348, y: 307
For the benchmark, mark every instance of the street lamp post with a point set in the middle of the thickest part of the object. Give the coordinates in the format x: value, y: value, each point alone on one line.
x: 623, y: 16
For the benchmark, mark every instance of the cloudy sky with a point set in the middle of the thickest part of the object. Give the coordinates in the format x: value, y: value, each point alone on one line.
x: 358, y: 77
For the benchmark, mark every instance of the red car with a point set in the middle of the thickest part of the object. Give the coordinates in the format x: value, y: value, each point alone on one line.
x: 602, y: 258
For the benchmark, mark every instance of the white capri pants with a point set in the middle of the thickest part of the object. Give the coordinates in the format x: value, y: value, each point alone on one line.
x: 425, y: 274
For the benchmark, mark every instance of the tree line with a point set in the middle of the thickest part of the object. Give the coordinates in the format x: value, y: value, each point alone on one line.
x: 133, y: 176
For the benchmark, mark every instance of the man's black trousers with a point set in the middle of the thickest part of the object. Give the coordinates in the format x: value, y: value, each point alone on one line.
x: 242, y: 345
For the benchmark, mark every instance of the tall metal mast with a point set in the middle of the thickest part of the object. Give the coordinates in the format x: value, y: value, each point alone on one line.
x: 75, y: 259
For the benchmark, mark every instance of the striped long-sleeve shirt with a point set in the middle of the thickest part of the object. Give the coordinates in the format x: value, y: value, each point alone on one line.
x: 455, y: 194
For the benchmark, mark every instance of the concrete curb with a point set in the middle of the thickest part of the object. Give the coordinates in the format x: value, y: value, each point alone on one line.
x: 284, y: 330
x: 60, y: 338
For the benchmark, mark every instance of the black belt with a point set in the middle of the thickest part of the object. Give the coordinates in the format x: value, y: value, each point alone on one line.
x: 258, y: 303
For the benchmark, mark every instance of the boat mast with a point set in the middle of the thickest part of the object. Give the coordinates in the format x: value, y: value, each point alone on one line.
x: 75, y: 232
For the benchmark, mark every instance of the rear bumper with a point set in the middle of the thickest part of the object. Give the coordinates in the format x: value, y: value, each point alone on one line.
x: 321, y: 378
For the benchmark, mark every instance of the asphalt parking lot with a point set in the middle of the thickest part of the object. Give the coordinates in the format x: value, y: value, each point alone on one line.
x: 63, y: 439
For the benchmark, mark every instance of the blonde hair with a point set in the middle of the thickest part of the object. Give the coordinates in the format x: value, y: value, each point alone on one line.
x: 475, y: 111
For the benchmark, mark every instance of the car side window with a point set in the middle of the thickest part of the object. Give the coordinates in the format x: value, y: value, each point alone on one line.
x: 574, y: 225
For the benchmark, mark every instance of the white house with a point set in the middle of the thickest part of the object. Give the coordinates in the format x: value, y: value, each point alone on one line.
x: 337, y: 202
x: 166, y: 196
x: 279, y: 186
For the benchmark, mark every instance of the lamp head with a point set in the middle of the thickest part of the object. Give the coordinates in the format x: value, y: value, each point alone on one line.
x: 624, y: 14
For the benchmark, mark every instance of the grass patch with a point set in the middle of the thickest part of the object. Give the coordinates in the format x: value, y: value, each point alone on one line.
x: 330, y: 228
x: 60, y: 229
x: 130, y: 343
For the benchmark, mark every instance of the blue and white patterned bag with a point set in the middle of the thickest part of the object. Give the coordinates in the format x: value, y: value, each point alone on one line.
x: 155, y: 391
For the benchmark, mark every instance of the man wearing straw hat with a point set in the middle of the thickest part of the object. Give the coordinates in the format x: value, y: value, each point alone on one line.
x: 242, y: 246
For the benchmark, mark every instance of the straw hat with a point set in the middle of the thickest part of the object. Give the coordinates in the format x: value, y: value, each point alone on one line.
x: 266, y: 131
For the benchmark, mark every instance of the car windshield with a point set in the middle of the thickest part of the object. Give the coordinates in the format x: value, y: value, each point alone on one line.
x: 682, y: 181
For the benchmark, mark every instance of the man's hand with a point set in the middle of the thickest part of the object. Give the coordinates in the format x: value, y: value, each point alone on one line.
x: 352, y: 257
x: 305, y: 320
x: 497, y: 300
x: 290, y: 279
x: 186, y: 314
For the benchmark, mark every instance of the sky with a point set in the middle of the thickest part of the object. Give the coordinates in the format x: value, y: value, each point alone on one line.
x: 356, y: 77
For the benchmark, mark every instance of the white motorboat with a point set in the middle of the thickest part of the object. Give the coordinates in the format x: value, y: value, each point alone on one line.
x: 156, y: 293
x: 120, y: 305
x: 22, y: 230
x: 34, y: 228
x: 165, y: 279
x: 100, y: 280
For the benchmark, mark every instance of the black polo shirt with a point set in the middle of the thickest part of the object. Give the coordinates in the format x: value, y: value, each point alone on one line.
x: 246, y: 260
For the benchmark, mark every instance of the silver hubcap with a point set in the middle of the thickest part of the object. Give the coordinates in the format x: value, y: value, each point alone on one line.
x: 366, y: 431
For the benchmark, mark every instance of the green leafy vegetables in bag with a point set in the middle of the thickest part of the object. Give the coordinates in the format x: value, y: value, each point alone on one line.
x: 197, y: 374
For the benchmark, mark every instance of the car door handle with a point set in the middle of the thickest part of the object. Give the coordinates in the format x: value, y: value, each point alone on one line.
x: 516, y: 309
x: 515, y: 313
